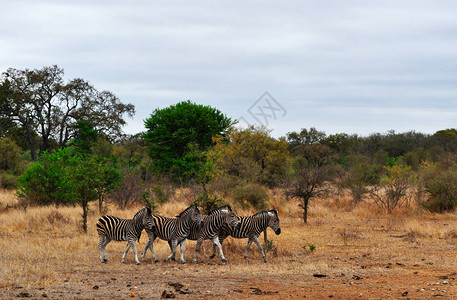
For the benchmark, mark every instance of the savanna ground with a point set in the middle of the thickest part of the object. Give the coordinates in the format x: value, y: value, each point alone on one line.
x: 359, y: 254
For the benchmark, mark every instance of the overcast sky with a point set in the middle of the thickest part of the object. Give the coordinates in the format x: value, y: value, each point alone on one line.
x: 340, y: 66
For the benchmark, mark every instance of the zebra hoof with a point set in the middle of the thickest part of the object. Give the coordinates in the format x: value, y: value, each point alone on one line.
x: 104, y: 260
x: 265, y: 260
x: 212, y: 256
x: 156, y: 260
x: 183, y: 262
x: 224, y: 260
x: 138, y: 263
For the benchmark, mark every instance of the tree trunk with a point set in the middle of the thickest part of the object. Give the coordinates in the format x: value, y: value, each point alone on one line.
x: 305, y: 210
x: 85, y: 211
x: 100, y: 204
x: 31, y: 143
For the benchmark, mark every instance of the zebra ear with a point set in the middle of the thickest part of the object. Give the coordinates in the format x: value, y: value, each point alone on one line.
x: 271, y: 214
x: 148, y: 210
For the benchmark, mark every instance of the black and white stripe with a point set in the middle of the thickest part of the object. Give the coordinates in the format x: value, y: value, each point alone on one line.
x: 251, y: 227
x: 113, y: 228
x: 212, y: 225
x: 174, y: 230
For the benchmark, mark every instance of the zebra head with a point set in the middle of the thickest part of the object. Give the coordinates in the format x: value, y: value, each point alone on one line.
x: 231, y: 218
x: 273, y: 221
x: 193, y: 213
x: 148, y: 220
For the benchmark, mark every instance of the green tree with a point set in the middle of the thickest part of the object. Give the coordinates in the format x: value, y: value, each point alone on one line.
x: 250, y: 155
x: 440, y: 184
x: 66, y: 177
x: 311, y: 168
x: 392, y: 189
x: 43, y: 104
x: 305, y: 137
x: 173, y: 131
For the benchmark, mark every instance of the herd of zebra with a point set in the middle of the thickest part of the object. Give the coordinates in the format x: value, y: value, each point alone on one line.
x: 189, y: 224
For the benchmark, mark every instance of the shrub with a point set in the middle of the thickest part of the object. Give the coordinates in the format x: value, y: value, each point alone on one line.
x: 251, y: 194
x: 207, y: 202
x: 441, y: 186
x: 8, y: 181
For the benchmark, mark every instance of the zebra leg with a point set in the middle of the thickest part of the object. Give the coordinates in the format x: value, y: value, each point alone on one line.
x: 107, y: 240
x: 149, y: 244
x: 103, y: 241
x: 125, y: 252
x: 256, y: 241
x: 174, y: 245
x: 182, y: 244
x: 197, y: 249
x: 218, y: 244
x: 135, y: 252
x: 221, y: 240
x: 247, y: 249
x: 145, y: 249
x: 214, y: 252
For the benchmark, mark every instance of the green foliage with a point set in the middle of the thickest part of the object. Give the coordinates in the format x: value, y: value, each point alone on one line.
x: 85, y: 137
x: 360, y: 175
x: 42, y: 104
x: 208, y: 203
x: 150, y: 201
x: 171, y: 131
x: 268, y: 246
x: 251, y: 194
x: 249, y: 156
x: 66, y: 177
x: 8, y: 180
x: 12, y: 163
x: 441, y: 185
x: 310, y: 247
x: 48, y: 181
x: 392, y: 189
x: 311, y: 168
x: 305, y: 137
x: 10, y: 154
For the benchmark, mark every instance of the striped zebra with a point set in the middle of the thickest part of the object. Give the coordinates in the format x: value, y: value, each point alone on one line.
x: 174, y: 230
x: 195, y: 227
x: 212, y: 225
x: 117, y: 229
x: 251, y: 227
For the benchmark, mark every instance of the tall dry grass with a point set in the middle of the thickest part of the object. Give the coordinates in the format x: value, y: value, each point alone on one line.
x: 44, y: 246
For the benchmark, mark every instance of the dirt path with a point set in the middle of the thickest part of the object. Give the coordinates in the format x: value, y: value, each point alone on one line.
x: 380, y: 280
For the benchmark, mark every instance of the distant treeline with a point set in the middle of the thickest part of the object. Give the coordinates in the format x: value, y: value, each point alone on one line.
x: 63, y: 140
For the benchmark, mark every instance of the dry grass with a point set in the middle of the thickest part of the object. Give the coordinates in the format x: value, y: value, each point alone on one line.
x: 44, y: 247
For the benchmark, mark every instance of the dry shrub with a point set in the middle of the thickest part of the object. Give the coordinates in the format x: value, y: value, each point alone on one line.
x: 56, y: 218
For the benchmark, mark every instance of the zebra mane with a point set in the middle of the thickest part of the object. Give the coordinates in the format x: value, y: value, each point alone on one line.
x: 216, y: 210
x: 141, y: 213
x: 186, y: 211
x: 270, y: 213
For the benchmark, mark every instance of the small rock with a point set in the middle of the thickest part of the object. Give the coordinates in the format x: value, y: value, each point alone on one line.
x: 166, y: 294
x: 404, y: 294
x: 23, y: 295
x: 95, y: 287
x: 44, y: 295
x: 445, y: 282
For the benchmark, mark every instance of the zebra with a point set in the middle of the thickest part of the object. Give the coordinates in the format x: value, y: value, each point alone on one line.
x: 174, y: 230
x: 195, y: 227
x: 211, y: 226
x: 117, y: 229
x: 251, y: 227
